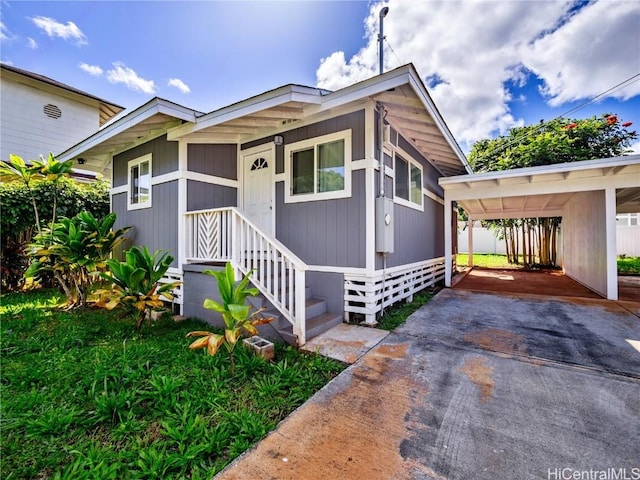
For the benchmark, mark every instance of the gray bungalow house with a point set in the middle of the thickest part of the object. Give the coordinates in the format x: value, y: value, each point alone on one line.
x: 332, y: 198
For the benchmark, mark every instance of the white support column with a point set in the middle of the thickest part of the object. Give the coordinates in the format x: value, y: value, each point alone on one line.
x: 470, y: 233
x: 612, y: 267
x: 448, y: 206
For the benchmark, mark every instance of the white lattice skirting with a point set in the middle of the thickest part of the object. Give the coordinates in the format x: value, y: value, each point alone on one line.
x: 364, y: 294
x: 177, y: 292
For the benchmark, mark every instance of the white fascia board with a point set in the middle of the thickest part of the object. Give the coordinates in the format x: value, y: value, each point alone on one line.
x: 280, y: 96
x: 364, y: 89
x: 570, y: 185
x: 517, y: 214
x: 540, y: 170
x: 148, y: 110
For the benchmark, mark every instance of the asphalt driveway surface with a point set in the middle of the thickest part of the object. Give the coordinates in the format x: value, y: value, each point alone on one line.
x: 474, y: 386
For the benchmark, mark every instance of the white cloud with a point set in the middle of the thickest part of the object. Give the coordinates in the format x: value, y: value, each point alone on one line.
x: 53, y: 28
x: 595, y: 50
x: 31, y: 43
x: 179, y: 84
x: 93, y: 70
x: 5, y: 34
x: 120, y: 73
x: 635, y: 147
x: 469, y: 53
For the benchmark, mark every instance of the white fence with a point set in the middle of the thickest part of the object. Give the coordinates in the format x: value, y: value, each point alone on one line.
x: 628, y: 240
x: 368, y: 295
x: 485, y: 241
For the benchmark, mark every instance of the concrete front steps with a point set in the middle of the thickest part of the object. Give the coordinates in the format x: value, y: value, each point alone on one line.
x: 318, y: 319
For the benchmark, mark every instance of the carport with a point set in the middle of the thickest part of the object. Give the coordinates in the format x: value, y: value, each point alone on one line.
x: 587, y: 195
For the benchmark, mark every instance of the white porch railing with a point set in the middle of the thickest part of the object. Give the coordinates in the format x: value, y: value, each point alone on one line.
x: 368, y: 295
x: 225, y: 234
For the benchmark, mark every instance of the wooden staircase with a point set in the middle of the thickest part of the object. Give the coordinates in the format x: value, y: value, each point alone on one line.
x: 317, y: 319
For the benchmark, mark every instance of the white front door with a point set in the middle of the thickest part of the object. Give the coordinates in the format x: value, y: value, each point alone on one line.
x: 258, y: 189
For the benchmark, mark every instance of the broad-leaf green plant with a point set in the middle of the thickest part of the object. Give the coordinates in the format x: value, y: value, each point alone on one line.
x: 75, y: 250
x: 17, y: 170
x: 237, y: 316
x: 136, y: 285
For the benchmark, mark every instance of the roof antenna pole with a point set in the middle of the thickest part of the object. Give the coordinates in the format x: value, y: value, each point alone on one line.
x: 383, y: 13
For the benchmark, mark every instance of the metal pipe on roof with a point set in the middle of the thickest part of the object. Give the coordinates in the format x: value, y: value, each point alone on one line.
x: 383, y: 13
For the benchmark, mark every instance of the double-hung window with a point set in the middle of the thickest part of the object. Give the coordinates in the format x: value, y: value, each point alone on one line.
x: 139, y: 182
x: 408, y: 182
x: 319, y: 168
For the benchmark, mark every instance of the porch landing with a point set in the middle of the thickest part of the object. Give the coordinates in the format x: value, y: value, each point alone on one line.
x: 345, y: 343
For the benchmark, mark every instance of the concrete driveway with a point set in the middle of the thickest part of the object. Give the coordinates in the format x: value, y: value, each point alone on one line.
x: 474, y: 386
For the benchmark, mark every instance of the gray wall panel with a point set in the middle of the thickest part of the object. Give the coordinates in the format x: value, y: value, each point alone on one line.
x: 328, y: 287
x: 326, y: 232
x: 201, y: 196
x: 418, y: 235
x: 164, y: 159
x: 155, y: 227
x: 219, y: 159
x: 354, y: 121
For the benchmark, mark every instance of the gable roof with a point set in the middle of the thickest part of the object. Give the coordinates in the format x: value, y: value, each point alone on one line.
x: 107, y: 109
x: 400, y: 91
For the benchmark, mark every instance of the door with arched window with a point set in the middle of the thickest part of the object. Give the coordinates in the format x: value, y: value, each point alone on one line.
x: 258, y: 189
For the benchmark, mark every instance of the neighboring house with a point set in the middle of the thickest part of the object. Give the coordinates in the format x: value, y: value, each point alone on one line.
x: 288, y: 183
x: 39, y: 115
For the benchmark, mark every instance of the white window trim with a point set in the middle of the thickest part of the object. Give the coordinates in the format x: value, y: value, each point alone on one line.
x: 411, y: 162
x: 130, y: 165
x: 313, y: 143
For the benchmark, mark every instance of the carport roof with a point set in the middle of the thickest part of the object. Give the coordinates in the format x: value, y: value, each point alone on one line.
x: 543, y: 191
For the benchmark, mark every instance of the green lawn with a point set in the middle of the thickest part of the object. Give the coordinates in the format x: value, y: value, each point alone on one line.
x: 84, y: 396
x: 629, y: 265
x: 395, y: 315
x: 486, y: 260
x: 625, y: 264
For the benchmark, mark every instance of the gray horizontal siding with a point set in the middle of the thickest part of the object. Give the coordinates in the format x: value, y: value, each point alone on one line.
x: 325, y: 232
x: 201, y: 196
x: 353, y: 121
x: 219, y: 160
x: 155, y: 227
x: 164, y: 159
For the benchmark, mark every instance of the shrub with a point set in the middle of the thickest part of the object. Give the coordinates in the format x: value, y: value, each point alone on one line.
x: 236, y: 315
x: 74, y: 250
x: 31, y: 196
x: 136, y: 283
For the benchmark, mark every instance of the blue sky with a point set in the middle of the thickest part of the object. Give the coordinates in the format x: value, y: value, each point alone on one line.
x: 491, y: 65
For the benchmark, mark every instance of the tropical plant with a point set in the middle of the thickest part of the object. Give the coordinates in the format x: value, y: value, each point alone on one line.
x: 54, y: 171
x: 136, y: 283
x: 16, y: 170
x: 237, y: 317
x: 50, y: 168
x: 74, y: 250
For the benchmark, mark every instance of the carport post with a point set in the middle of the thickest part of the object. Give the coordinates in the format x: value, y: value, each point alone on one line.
x: 470, y: 252
x: 612, y: 251
x: 448, y: 207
